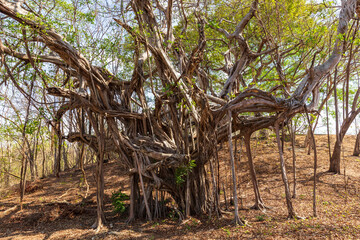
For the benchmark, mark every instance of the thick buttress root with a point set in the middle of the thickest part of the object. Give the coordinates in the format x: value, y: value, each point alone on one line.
x: 260, y: 206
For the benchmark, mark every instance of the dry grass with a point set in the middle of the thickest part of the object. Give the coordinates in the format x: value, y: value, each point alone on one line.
x: 56, y: 209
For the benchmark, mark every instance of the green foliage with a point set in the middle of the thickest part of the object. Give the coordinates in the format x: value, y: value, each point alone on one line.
x: 227, y: 231
x: 117, y: 200
x: 168, y: 90
x: 173, y: 215
x: 260, y: 218
x: 182, y: 171
x: 32, y: 126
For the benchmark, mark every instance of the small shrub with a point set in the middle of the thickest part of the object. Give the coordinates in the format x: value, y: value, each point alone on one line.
x: 228, y: 233
x: 117, y: 200
x: 260, y: 218
x: 182, y: 171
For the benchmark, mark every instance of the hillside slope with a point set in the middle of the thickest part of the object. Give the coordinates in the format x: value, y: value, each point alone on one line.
x: 55, y: 208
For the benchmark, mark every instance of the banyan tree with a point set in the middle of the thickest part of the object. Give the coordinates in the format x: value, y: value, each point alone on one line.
x: 165, y: 121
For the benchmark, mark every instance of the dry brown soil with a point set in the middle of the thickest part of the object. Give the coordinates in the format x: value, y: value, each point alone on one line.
x: 55, y: 208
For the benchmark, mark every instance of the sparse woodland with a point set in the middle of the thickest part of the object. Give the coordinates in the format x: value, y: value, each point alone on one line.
x: 160, y: 87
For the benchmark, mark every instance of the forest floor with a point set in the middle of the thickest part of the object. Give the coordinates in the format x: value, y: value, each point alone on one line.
x: 55, y: 208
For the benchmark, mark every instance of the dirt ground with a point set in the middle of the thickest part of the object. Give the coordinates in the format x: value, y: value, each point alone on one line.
x: 56, y: 208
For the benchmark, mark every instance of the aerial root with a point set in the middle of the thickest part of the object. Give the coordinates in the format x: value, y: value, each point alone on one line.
x: 260, y: 206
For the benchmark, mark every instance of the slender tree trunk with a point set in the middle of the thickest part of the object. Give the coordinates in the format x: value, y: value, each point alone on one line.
x: 148, y: 212
x: 78, y: 147
x: 33, y: 153
x: 25, y: 149
x: 54, y: 151
x: 35, y: 159
x: 23, y: 173
x: 65, y: 157
x: 307, y: 140
x: 81, y: 162
x: 357, y: 145
x: 215, y: 190
x: 292, y: 132
x: 239, y: 180
x: 187, y: 191
x: 315, y: 163
x: 57, y: 160
x: 232, y: 162
x: 32, y: 164
x: 291, y: 212
x: 335, y: 158
x: 44, y: 158
x: 2, y: 164
x: 100, y: 219
x: 327, y: 119
x: 7, y: 176
x: 218, y: 176
x: 100, y: 135
x: 258, y: 200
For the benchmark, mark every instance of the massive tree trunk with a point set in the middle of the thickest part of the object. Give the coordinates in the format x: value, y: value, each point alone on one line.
x: 156, y: 146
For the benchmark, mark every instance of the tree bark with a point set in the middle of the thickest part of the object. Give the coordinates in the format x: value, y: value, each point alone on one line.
x: 7, y: 176
x: 100, y: 219
x: 357, y: 145
x: 291, y: 212
x: 292, y: 132
x: 259, y: 204
x: 137, y: 133
x: 315, y: 163
x: 336, y: 156
x: 65, y: 157
x: 57, y: 159
x: 232, y: 162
